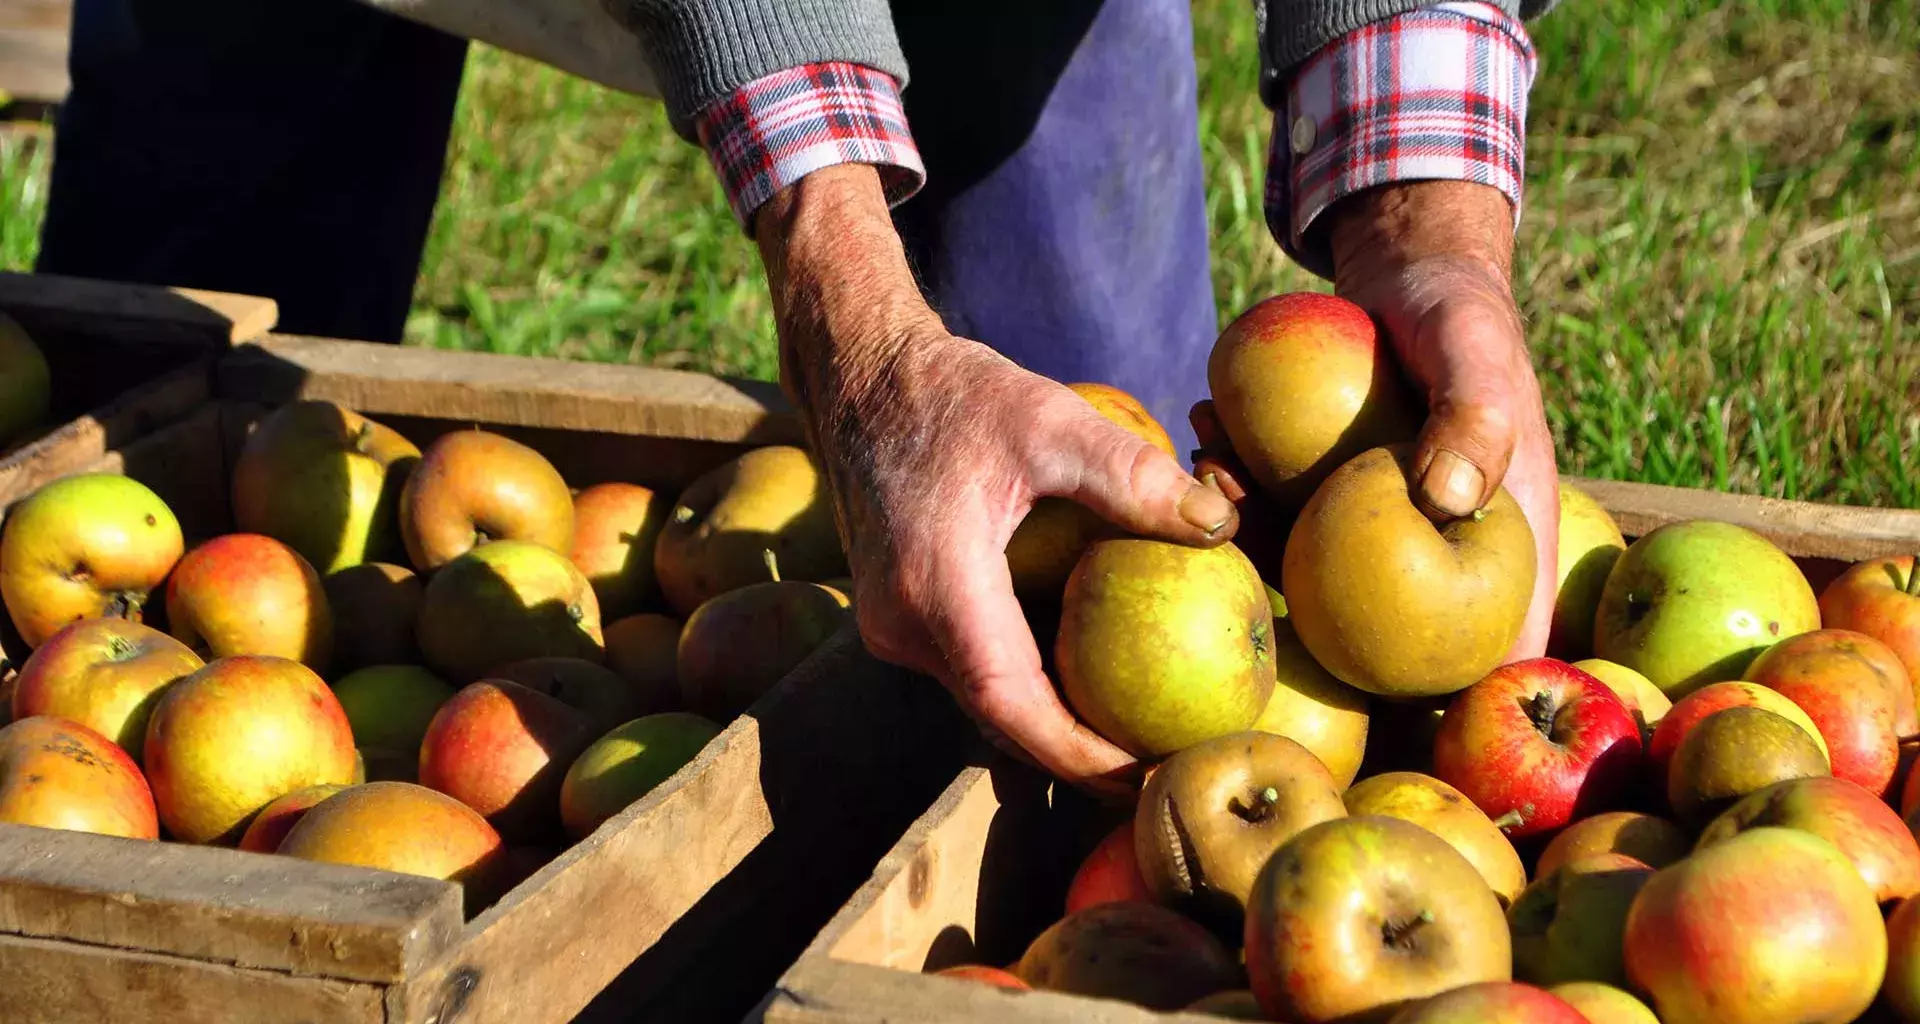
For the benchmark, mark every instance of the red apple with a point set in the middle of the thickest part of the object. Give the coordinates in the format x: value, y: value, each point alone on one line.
x: 84, y: 547
x: 1772, y: 925
x: 1881, y: 598
x: 503, y: 750
x: 1110, y: 874
x: 1536, y: 744
x: 1845, y: 694
x: 276, y: 819
x: 1865, y: 829
x: 615, y: 526
x: 985, y: 975
x: 1491, y: 1002
x: 237, y: 735
x: 1140, y: 953
x: 246, y: 593
x: 60, y: 774
x: 105, y: 674
x: 1694, y: 708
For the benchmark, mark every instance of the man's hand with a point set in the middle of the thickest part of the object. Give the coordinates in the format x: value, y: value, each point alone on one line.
x: 1432, y: 262
x: 936, y: 447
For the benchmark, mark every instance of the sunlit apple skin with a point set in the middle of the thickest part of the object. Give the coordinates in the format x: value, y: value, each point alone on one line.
x: 245, y: 593
x: 84, y: 547
x: 1860, y: 825
x: 60, y: 774
x: 1881, y: 598
x: 1491, y: 1002
x: 105, y: 674
x: 1833, y: 676
x: 276, y: 819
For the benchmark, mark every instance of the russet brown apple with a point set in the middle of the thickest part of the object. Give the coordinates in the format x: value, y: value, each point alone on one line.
x: 471, y: 487
x: 375, y: 606
x: 1393, y: 604
x: 1881, y: 598
x: 503, y: 602
x: 1653, y: 841
x: 84, y: 547
x: 1211, y: 815
x: 105, y: 674
x: 1845, y: 694
x: 1692, y: 709
x: 398, y: 826
x: 271, y: 825
x: 503, y: 750
x: 325, y: 481
x: 1110, y: 874
x: 246, y: 593
x: 738, y: 646
x: 720, y: 531
x: 615, y: 528
x: 1491, y: 1002
x: 1567, y: 925
x: 60, y: 774
x: 1162, y: 645
x: 235, y: 736
x: 1140, y: 953
x: 1856, y: 822
x: 1446, y: 812
x: 1734, y: 752
x: 1772, y: 925
x: 1302, y: 383
x: 1356, y: 917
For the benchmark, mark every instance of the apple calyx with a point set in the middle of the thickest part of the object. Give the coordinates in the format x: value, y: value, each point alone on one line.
x: 1542, y: 710
x: 119, y: 648
x: 1258, y: 809
x: 1260, y: 635
x: 1404, y: 934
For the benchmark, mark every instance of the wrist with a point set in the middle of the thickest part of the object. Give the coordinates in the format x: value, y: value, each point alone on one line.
x: 1390, y: 227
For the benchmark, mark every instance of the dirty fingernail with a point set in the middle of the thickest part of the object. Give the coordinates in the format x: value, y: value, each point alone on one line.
x: 1452, y: 485
x: 1206, y: 509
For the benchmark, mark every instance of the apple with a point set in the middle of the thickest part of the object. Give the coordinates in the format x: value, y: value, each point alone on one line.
x: 1140, y: 953
x: 722, y: 527
x: 276, y: 819
x: 1881, y: 598
x: 1110, y: 874
x: 472, y: 487
x: 1357, y: 916
x: 245, y: 593
x: 1653, y: 841
x: 1567, y: 925
x: 1211, y: 815
x: 84, y: 547
x: 1636, y: 691
x: 1604, y: 1004
x: 503, y: 749
x: 738, y: 646
x: 1312, y: 708
x: 1691, y: 710
x: 615, y: 528
x: 644, y: 650
x: 1734, y: 752
x: 105, y: 674
x: 375, y: 606
x: 1590, y: 542
x: 60, y: 774
x: 1902, y: 985
x: 1856, y: 822
x: 1446, y: 812
x: 1491, y: 1002
x: 1393, y: 604
x: 1771, y: 925
x: 389, y: 708
x: 325, y: 481
x: 1537, y: 744
x: 1301, y: 383
x: 503, y: 602
x: 985, y: 975
x: 1845, y: 695
x: 398, y: 826
x: 1163, y: 645
x: 235, y: 736
x: 626, y: 764
x: 26, y: 384
x: 1695, y: 602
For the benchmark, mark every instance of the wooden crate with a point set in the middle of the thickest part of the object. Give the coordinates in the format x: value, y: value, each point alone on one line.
x: 984, y: 869
x: 684, y: 907
x: 33, y: 49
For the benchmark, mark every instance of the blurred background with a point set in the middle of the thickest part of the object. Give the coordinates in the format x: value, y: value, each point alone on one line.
x: 1719, y: 258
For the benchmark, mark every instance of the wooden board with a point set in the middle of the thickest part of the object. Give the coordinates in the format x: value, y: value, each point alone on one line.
x: 33, y: 49
x: 1803, y: 529
x: 145, y: 314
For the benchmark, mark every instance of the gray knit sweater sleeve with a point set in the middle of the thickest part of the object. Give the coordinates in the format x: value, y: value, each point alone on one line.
x: 704, y: 50
x: 1291, y: 30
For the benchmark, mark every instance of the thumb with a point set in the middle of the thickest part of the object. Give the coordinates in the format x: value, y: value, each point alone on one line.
x: 1136, y: 486
x: 1467, y: 443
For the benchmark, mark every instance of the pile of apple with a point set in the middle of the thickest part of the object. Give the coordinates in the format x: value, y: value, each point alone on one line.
x: 1696, y: 811
x: 398, y: 661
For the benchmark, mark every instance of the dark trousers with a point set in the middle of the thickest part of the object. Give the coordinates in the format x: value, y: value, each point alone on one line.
x: 294, y: 149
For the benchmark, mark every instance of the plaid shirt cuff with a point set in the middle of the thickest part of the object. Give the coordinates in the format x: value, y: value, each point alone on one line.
x: 1436, y: 93
x: 778, y: 129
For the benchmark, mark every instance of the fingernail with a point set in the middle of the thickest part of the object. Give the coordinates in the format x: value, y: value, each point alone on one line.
x: 1452, y: 485
x: 1206, y: 509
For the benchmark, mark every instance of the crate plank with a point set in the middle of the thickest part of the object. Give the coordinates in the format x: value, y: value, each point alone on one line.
x: 64, y: 981
x: 224, y: 906
x: 827, y: 991
x: 510, y: 390
x: 143, y: 314
x: 1804, y: 529
x: 85, y: 442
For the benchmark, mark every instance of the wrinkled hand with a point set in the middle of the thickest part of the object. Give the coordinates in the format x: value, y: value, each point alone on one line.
x: 936, y: 447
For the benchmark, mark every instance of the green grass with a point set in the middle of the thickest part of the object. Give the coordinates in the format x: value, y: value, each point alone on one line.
x: 1719, y: 262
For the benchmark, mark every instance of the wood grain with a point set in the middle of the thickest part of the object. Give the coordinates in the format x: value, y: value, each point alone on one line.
x: 1800, y: 528
x: 822, y: 990
x: 144, y: 314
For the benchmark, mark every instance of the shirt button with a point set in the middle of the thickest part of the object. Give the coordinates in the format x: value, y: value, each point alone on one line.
x: 1302, y: 136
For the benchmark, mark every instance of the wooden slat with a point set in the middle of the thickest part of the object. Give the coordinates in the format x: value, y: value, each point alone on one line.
x: 510, y: 390
x: 822, y: 990
x: 65, y: 981
x: 85, y: 442
x: 223, y: 906
x: 33, y: 48
x: 134, y: 312
x: 1800, y: 528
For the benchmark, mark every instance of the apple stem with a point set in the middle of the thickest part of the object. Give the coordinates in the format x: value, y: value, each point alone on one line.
x: 1269, y: 796
x: 773, y: 563
x: 683, y: 514
x: 1913, y: 576
x: 1511, y: 819
x: 1540, y: 711
x: 1479, y: 515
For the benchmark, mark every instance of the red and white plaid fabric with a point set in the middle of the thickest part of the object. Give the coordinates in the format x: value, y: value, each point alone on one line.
x: 1435, y: 93
x: 780, y: 128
